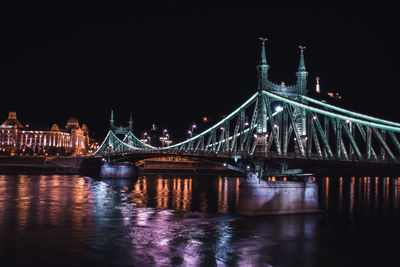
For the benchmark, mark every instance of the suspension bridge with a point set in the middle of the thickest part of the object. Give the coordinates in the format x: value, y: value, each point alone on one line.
x: 278, y: 130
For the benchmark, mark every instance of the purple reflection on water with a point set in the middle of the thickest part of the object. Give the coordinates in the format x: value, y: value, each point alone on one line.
x: 63, y: 220
x: 116, y: 171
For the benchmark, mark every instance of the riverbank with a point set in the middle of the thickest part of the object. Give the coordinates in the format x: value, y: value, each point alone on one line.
x: 39, y: 164
x: 71, y: 165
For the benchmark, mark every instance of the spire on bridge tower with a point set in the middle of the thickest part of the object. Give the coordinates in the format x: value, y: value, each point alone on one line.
x: 262, y: 75
x: 112, y: 119
x: 263, y: 67
x: 302, y: 74
x: 130, y: 122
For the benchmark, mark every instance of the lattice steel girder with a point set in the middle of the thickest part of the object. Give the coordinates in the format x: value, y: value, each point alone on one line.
x: 285, y: 136
x: 242, y: 128
x: 298, y: 140
x: 117, y: 144
x: 210, y: 136
x: 309, y: 134
x: 383, y: 143
x: 364, y: 137
x: 323, y: 137
x: 395, y: 141
x: 351, y: 113
x: 330, y: 114
x: 368, y: 143
x: 383, y: 134
x: 189, y: 145
x: 338, y: 137
x: 236, y: 131
x: 200, y: 143
x: 226, y: 136
x: 214, y: 140
x: 273, y: 126
x: 269, y: 142
x: 352, y: 141
x: 352, y: 133
x: 316, y: 142
x: 221, y: 139
x: 137, y: 142
x: 261, y: 115
x: 252, y: 126
x: 337, y: 129
x: 326, y: 131
x: 219, y: 124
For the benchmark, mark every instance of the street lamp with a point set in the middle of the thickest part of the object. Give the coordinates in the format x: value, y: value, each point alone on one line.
x: 164, y: 138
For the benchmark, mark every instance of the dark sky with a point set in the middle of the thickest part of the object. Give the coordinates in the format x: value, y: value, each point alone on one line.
x: 173, y: 64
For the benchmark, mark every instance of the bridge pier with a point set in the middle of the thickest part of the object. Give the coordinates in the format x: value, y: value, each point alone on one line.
x: 259, y: 197
x: 100, y: 168
x: 263, y: 169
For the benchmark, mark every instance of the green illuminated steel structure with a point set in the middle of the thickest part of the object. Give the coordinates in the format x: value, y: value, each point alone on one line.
x: 280, y: 122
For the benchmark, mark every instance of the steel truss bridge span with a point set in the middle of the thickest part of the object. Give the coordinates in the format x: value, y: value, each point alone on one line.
x: 274, y: 127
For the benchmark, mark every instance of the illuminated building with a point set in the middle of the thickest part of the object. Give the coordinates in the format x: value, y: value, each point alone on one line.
x: 18, y: 139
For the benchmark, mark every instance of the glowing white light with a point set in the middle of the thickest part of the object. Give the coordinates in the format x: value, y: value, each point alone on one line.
x: 278, y: 108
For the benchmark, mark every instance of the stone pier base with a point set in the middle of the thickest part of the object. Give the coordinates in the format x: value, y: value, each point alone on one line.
x: 258, y: 197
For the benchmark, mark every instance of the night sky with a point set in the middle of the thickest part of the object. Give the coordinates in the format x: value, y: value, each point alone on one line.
x: 173, y: 64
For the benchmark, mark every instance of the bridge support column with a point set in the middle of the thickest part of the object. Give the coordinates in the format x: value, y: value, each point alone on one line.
x: 258, y: 197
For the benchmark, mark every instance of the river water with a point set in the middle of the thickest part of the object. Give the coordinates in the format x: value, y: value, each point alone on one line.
x: 167, y: 220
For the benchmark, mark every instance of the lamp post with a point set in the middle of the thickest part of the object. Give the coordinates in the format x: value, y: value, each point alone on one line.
x: 194, y: 126
x: 164, y: 137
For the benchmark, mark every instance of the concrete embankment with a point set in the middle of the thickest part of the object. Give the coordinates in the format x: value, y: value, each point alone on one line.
x: 38, y: 164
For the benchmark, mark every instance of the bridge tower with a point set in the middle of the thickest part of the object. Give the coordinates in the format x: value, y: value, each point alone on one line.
x: 302, y: 74
x: 301, y: 84
x: 121, y: 129
x: 112, y: 120
x: 130, y: 127
x: 262, y: 85
x: 262, y: 75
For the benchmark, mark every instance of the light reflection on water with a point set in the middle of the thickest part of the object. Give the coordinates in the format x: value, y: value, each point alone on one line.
x: 189, y: 221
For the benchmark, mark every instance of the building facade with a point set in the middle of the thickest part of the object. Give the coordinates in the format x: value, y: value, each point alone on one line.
x: 17, y: 139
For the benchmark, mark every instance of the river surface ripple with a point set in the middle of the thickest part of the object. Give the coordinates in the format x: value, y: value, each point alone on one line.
x: 167, y: 220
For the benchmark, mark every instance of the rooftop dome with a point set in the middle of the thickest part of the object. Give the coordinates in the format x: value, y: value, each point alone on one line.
x: 72, y: 121
x: 55, y: 128
x: 12, y: 120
